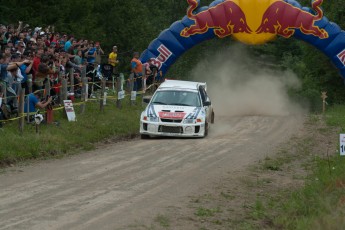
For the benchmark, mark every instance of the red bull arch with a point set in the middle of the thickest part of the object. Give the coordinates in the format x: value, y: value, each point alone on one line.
x: 251, y: 22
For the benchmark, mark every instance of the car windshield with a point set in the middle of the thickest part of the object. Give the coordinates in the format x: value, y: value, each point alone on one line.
x: 175, y: 97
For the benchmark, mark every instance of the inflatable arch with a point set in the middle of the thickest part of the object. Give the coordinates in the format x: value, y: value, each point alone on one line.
x: 250, y: 22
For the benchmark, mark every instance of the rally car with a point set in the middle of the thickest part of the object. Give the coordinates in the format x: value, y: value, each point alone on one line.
x: 177, y: 108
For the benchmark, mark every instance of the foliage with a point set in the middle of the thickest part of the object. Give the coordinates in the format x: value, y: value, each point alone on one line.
x: 132, y: 25
x: 66, y: 137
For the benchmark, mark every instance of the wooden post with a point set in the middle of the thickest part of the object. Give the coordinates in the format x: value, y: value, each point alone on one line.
x: 324, y: 97
x: 131, y: 86
x: 64, y: 89
x: 101, y: 103
x: 71, y: 77
x: 47, y: 87
x: 21, y: 110
x: 28, y: 108
x: 118, y: 86
x: 30, y: 83
x: 71, y: 89
x: 84, y: 92
x: 4, y: 100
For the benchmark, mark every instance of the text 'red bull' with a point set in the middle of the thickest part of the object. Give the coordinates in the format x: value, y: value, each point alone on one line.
x: 278, y: 19
x: 164, y: 55
x: 229, y: 19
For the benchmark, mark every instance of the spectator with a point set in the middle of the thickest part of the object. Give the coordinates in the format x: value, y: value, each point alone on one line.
x: 33, y: 102
x: 136, y: 65
x: 99, y: 53
x: 68, y: 43
x: 25, y: 69
x: 91, y: 54
x: 137, y: 70
x: 78, y: 60
x: 112, y: 60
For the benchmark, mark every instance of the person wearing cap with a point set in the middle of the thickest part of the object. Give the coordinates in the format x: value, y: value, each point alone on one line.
x: 112, y: 60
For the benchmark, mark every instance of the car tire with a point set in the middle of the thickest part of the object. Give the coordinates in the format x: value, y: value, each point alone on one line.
x: 144, y: 136
x: 212, y: 118
x: 206, y: 129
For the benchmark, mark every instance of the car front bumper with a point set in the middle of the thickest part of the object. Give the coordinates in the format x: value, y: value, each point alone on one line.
x: 172, y: 129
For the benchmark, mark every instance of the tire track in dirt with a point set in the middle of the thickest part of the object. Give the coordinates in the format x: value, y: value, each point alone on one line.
x: 129, y: 182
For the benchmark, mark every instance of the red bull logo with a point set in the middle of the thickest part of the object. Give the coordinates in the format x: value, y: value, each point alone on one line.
x: 341, y: 57
x: 254, y: 25
x: 279, y: 19
x: 225, y: 18
x: 164, y: 55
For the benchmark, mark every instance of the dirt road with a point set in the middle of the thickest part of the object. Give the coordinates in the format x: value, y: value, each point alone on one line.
x: 126, y: 185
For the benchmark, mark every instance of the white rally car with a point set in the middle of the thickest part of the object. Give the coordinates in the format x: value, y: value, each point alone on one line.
x: 177, y: 108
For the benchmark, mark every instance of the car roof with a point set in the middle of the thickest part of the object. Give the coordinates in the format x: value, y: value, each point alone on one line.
x: 177, y: 84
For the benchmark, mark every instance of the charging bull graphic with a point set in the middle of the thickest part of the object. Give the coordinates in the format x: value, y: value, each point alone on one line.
x: 278, y: 20
x: 225, y: 18
x: 251, y: 22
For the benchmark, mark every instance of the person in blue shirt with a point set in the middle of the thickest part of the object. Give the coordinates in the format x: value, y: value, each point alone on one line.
x: 68, y: 44
x: 34, y: 102
x: 91, y: 54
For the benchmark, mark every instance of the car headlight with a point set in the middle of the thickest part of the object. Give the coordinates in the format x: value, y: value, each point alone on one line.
x: 189, y: 121
x: 154, y: 119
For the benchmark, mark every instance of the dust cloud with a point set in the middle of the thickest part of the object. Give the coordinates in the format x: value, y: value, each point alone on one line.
x: 240, y: 85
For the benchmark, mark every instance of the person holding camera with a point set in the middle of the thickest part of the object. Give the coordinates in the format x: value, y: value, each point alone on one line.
x: 33, y: 101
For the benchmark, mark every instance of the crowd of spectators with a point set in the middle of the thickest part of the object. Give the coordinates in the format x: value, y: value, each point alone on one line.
x: 36, y: 55
x: 32, y: 56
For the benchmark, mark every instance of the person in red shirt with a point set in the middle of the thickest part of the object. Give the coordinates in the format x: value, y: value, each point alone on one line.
x: 36, y: 62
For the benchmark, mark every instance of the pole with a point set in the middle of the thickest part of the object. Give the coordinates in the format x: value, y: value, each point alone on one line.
x: 30, y: 83
x: 21, y: 110
x: 27, y: 108
x: 101, y: 99
x: 131, y: 85
x: 71, y: 77
x: 118, y: 85
x: 5, y: 93
x: 47, y: 87
x: 84, y: 92
x: 64, y: 89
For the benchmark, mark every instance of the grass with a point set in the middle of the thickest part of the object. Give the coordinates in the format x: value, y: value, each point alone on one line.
x: 320, y: 204
x: 163, y: 221
x: 69, y: 137
x: 206, y: 212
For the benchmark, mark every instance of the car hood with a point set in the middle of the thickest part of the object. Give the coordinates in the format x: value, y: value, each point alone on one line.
x: 173, y: 111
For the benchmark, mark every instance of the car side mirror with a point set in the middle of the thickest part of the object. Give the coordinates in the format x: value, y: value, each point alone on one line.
x: 207, y: 103
x: 147, y: 99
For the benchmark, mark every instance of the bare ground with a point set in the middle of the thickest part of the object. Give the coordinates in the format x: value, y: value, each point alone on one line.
x: 162, y: 183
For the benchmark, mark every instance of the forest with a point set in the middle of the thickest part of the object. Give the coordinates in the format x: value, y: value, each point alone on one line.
x: 133, y: 24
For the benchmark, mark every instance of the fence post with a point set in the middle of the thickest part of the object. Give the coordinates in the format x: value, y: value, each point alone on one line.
x: 101, y: 98
x: 30, y: 83
x: 47, y: 87
x: 84, y: 92
x: 4, y: 100
x: 131, y: 85
x: 71, y: 77
x: 28, y: 108
x: 64, y: 89
x: 118, y: 89
x: 21, y: 110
